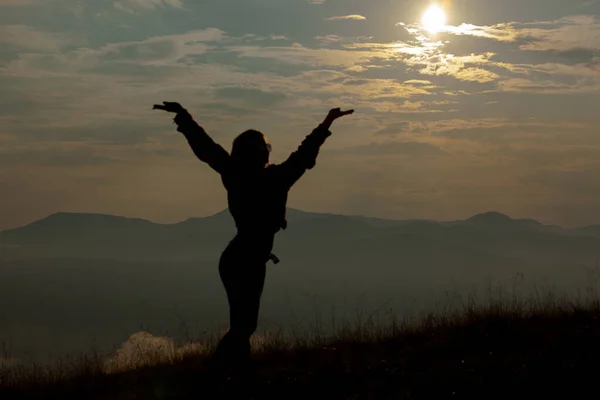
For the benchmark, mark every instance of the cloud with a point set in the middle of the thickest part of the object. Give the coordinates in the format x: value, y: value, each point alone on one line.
x: 503, y: 131
x: 345, y: 17
x: 154, y: 51
x: 418, y: 82
x: 500, y: 32
x: 416, y: 149
x: 460, y: 67
x: 329, y: 39
x: 133, y: 5
x: 249, y: 95
x: 299, y: 54
x: 565, y: 34
x: 57, y: 157
x: 521, y: 85
x: 88, y: 119
x: 474, y: 75
x: 28, y: 38
x: 568, y: 33
x: 370, y: 91
x: 394, y: 129
x: 429, y: 59
x: 573, y: 40
x: 215, y: 109
x: 16, y: 2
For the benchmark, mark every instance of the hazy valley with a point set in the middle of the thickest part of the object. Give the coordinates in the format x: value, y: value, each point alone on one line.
x: 70, y: 281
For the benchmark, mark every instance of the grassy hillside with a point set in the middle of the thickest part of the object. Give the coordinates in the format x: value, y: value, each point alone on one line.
x: 499, y: 349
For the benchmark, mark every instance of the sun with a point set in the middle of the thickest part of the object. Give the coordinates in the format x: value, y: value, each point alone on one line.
x: 434, y: 19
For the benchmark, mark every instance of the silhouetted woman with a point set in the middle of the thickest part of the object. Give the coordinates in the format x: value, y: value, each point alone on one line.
x: 257, y: 194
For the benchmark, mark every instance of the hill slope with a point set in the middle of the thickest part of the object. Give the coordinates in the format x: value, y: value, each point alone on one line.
x: 495, y: 353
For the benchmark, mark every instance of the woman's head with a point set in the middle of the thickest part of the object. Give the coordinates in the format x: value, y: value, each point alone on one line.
x: 251, y: 149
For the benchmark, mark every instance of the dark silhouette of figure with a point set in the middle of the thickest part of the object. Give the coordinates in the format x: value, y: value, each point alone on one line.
x: 257, y: 194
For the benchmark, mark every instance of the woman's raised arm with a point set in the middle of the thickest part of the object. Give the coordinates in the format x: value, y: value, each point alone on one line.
x: 306, y: 156
x: 203, y: 146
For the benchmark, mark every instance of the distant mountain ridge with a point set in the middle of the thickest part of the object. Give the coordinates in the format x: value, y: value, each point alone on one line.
x: 61, y: 222
x: 86, y: 235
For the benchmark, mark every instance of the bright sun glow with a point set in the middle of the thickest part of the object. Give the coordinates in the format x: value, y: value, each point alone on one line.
x: 434, y: 19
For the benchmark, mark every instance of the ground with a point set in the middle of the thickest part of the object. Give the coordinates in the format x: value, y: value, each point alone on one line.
x: 486, y: 353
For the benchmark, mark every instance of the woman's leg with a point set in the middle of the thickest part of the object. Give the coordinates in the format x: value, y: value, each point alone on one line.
x: 243, y: 279
x: 244, y: 291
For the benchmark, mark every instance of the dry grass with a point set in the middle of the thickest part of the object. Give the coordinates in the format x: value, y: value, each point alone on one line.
x: 494, y: 334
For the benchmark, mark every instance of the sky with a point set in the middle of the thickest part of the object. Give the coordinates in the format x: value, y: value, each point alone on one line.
x: 497, y: 111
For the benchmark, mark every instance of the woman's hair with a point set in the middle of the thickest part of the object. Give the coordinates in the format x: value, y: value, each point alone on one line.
x: 250, y: 149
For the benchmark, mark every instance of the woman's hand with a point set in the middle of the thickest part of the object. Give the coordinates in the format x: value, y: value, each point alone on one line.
x: 334, y: 114
x: 169, y: 106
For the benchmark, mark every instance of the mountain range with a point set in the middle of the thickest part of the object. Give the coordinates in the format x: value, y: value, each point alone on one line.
x: 98, y: 236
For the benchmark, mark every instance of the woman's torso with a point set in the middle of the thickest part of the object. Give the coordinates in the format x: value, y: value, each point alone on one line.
x: 257, y: 200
